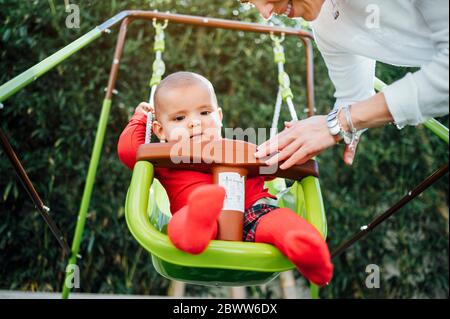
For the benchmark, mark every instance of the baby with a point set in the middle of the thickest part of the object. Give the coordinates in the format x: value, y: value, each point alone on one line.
x: 186, y: 102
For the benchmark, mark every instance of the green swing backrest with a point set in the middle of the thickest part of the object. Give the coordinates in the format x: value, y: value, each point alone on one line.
x: 159, y: 207
x: 308, y: 205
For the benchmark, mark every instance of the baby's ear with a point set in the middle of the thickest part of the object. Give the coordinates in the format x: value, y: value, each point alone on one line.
x: 158, y: 130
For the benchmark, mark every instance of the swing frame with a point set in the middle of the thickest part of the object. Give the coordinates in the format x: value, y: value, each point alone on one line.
x: 21, y: 81
x: 245, y: 274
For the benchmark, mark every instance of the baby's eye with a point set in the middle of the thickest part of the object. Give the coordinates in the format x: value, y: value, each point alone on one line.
x: 179, y: 118
x: 205, y: 113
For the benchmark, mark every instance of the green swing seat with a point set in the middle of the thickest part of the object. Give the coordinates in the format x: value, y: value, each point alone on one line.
x: 223, y: 263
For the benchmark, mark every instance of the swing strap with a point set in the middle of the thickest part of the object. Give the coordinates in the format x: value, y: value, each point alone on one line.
x: 158, y: 70
x: 285, y: 93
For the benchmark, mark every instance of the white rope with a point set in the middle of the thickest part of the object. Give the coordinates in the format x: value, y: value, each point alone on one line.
x: 280, y: 68
x: 148, y: 130
x: 291, y: 106
x: 276, y: 115
x: 151, y: 100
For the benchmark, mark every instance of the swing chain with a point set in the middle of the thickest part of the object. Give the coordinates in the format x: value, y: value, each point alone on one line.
x: 159, y: 68
x: 159, y: 26
x: 277, y: 39
x: 284, y: 84
x: 280, y: 60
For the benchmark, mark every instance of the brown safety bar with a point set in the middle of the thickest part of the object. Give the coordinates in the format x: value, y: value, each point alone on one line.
x: 206, y: 155
x: 128, y: 16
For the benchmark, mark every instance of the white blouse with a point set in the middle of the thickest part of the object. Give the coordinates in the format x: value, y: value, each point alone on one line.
x: 411, y: 33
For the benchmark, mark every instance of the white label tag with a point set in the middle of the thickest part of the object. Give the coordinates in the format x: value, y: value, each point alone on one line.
x: 234, y: 185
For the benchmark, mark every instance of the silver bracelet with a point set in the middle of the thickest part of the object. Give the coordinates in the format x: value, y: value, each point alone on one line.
x: 335, y: 126
x: 355, y: 134
x: 348, y: 118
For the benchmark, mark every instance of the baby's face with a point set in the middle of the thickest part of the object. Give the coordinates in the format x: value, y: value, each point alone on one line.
x: 188, y: 113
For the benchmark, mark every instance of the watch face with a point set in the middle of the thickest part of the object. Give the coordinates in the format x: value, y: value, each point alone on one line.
x: 332, y: 122
x: 335, y: 130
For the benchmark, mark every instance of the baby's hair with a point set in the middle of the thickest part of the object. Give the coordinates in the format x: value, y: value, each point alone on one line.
x: 183, y: 79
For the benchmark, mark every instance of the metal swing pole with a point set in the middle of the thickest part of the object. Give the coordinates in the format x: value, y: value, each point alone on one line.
x: 365, y: 230
x: 95, y: 158
x: 28, y: 185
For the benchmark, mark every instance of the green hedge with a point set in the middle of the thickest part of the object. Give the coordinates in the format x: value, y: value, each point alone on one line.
x: 52, y: 124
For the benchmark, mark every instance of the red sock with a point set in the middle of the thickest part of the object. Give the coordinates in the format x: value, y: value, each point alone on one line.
x: 299, y: 241
x: 193, y: 226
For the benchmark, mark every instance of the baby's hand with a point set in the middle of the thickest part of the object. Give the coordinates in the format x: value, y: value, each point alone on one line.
x: 145, y: 107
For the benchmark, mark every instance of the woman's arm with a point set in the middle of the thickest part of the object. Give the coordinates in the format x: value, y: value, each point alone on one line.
x: 373, y: 112
x: 425, y: 94
x: 303, y: 140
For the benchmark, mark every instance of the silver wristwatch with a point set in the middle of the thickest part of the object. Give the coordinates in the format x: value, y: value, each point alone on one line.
x: 335, y: 127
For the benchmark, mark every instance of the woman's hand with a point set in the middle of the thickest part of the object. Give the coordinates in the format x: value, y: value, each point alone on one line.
x: 349, y: 152
x: 299, y: 142
x: 144, y: 107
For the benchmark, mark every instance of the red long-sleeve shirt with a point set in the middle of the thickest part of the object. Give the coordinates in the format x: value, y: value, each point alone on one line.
x: 178, y: 183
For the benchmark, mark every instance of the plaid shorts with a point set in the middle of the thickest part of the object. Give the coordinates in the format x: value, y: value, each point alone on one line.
x: 252, y: 217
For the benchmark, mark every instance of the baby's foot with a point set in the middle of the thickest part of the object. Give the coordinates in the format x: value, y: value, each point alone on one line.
x: 311, y: 256
x: 191, y: 228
